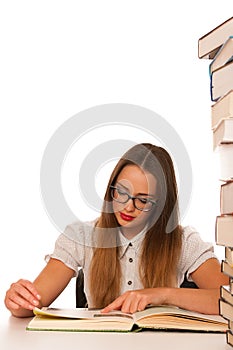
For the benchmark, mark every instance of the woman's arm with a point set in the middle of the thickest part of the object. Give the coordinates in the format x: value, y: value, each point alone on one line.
x: 23, y: 295
x: 208, y: 278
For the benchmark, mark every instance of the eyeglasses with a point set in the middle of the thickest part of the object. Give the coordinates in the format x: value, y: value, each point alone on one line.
x: 140, y: 203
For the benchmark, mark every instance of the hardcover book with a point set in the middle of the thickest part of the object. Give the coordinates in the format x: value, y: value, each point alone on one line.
x: 157, y: 318
x: 225, y: 155
x: 226, y: 310
x: 226, y: 294
x: 222, y: 109
x: 209, y: 44
x: 229, y: 257
x: 223, y: 133
x: 230, y: 337
x: 223, y: 56
x: 226, y: 198
x: 224, y: 230
x: 227, y: 269
x: 231, y: 282
x: 221, y: 81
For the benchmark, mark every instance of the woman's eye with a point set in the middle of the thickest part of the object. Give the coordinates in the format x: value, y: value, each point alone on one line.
x: 120, y: 192
x: 143, y: 200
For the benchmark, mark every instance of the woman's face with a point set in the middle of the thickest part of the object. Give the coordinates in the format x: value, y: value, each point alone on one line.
x: 138, y: 183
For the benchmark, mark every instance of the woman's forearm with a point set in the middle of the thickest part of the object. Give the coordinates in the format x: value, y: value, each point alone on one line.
x: 205, y: 301
x: 200, y: 300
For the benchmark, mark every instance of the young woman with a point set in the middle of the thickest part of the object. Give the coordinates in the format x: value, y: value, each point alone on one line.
x: 136, y: 253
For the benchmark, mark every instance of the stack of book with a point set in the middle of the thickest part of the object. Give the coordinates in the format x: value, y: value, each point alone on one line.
x: 217, y: 46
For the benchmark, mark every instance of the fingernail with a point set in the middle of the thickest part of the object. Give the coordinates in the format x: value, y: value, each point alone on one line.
x: 38, y: 296
x: 35, y: 302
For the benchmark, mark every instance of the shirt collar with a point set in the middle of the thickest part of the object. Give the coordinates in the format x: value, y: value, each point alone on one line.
x: 136, y: 241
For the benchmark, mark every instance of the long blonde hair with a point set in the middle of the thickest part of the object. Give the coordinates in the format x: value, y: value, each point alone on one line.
x: 160, y: 250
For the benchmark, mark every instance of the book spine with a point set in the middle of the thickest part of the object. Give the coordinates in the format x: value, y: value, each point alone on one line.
x: 229, y: 255
x: 213, y: 99
x: 231, y: 285
x: 229, y: 337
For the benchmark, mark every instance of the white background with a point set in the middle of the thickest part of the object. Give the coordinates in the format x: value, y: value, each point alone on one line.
x: 61, y: 57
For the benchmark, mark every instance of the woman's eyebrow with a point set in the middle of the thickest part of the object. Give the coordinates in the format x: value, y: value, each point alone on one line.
x: 145, y: 194
x: 119, y: 184
x: 138, y: 194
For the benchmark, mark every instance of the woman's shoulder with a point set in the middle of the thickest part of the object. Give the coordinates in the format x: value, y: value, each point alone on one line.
x: 188, y: 230
x: 82, y: 225
x: 79, y: 230
x: 192, y: 237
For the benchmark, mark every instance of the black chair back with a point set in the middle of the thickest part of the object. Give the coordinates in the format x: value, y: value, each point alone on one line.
x: 81, y: 300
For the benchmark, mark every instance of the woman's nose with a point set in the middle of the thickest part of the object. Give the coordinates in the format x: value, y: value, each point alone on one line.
x: 130, y: 205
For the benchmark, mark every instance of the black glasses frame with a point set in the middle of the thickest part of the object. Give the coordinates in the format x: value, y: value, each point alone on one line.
x: 133, y: 199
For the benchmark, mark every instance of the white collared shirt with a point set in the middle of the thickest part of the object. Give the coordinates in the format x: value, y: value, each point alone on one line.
x: 73, y: 248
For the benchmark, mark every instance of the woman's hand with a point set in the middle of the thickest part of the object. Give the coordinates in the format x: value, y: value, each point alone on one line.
x: 137, y: 300
x: 22, y: 294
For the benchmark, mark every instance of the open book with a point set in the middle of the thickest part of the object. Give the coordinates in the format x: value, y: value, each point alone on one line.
x: 157, y: 317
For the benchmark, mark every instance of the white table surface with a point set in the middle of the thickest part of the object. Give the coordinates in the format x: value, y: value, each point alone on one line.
x: 14, y: 336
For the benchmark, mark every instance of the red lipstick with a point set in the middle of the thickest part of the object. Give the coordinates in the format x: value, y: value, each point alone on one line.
x: 126, y: 217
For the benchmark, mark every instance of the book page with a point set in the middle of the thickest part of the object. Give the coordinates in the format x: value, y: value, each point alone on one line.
x: 173, y: 310
x: 65, y: 313
x: 81, y: 313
